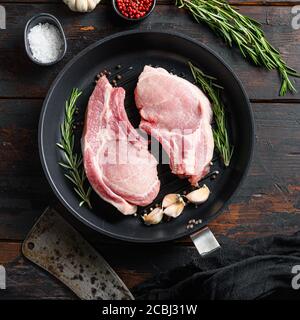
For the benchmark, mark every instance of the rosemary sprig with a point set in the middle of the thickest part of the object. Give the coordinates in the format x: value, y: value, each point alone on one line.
x: 208, y: 85
x: 73, y: 161
x: 243, y: 31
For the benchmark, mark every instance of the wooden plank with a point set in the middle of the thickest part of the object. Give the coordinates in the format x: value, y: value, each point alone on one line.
x: 24, y: 190
x: 27, y: 281
x: 169, y: 2
x: 16, y: 71
x: 9, y: 251
x: 267, y: 203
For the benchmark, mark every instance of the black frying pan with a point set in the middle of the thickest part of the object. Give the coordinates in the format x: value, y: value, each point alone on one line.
x: 136, y: 49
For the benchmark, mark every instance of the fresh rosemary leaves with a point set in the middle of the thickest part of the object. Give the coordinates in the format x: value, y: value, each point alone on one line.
x: 209, y: 87
x: 243, y: 31
x: 73, y: 162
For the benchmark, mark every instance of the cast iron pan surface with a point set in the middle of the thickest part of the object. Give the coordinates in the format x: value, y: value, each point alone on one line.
x: 134, y: 50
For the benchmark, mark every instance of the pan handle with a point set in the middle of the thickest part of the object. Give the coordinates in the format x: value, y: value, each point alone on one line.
x: 205, y: 241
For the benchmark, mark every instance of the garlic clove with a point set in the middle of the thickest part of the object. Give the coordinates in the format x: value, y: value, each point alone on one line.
x: 199, y: 196
x: 154, y: 217
x: 174, y: 210
x: 170, y: 199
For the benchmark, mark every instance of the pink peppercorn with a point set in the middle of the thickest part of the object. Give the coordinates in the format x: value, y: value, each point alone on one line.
x: 134, y: 9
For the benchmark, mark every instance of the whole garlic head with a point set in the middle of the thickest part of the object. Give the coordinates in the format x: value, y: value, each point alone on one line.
x: 82, y: 5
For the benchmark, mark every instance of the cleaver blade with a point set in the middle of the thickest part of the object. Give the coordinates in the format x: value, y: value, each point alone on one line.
x: 57, y: 247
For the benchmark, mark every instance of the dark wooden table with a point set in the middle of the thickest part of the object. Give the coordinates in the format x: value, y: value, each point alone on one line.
x: 267, y: 204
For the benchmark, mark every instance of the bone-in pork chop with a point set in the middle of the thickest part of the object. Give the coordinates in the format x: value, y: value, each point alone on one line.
x: 116, y: 159
x: 178, y: 115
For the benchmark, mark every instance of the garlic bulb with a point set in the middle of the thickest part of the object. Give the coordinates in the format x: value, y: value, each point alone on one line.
x: 154, y: 217
x: 82, y: 5
x: 199, y: 196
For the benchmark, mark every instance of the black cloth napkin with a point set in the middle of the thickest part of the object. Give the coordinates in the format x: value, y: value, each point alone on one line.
x: 261, y: 269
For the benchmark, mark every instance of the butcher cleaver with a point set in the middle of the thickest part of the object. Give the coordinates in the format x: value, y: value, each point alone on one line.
x: 58, y: 248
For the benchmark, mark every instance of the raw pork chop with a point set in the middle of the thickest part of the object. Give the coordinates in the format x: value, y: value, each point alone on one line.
x: 116, y: 159
x: 178, y: 115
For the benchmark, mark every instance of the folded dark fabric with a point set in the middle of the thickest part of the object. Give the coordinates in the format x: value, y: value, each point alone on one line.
x: 261, y: 269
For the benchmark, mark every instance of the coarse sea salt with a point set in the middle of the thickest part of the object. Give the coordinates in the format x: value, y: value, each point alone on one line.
x: 45, y: 42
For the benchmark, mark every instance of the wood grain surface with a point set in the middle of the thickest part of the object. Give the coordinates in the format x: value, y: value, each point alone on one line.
x: 268, y: 202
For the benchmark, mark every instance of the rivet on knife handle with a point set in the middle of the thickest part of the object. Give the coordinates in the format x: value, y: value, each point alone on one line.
x: 58, y: 248
x: 205, y: 242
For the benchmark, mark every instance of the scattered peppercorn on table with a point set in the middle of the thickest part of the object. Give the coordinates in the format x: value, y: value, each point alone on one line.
x: 268, y: 202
